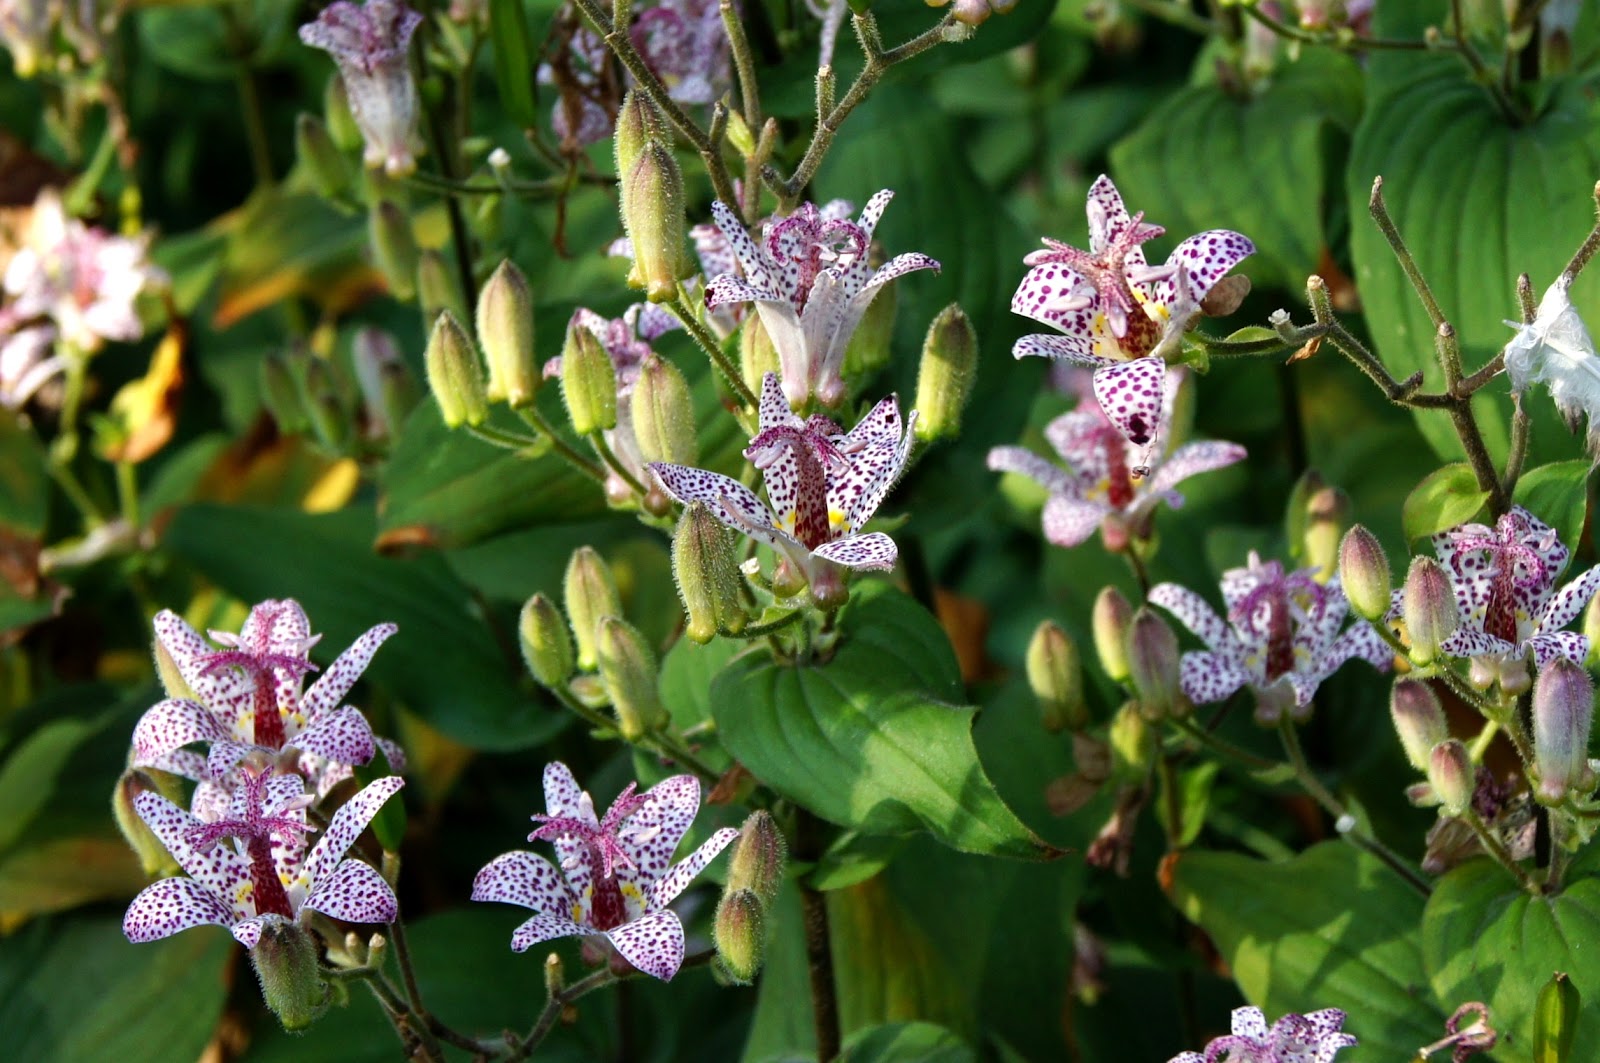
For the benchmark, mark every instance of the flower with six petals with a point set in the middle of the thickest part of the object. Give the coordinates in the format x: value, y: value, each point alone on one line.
x: 1313, y: 1038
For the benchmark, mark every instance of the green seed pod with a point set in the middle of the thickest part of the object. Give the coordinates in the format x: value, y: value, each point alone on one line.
x: 628, y: 669
x: 653, y: 215
x: 394, y: 248
x: 324, y: 163
x: 285, y: 959
x: 546, y: 644
x: 1364, y: 574
x: 590, y: 592
x: 505, y: 332
x: 555, y: 975
x: 1112, y: 618
x: 437, y: 290
x: 588, y: 382
x: 740, y: 933
x: 758, y: 858
x: 1297, y: 512
x: 944, y: 379
x: 454, y: 376
x: 1055, y: 673
x: 663, y: 414
x: 1133, y: 744
x: 707, y: 574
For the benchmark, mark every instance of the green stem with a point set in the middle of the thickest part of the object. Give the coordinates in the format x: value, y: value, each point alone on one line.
x: 819, y: 946
x: 1480, y: 744
x: 1222, y: 746
x: 708, y: 343
x: 128, y: 493
x: 1380, y: 214
x: 1340, y: 40
x: 554, y: 1006
x: 756, y: 631
x: 609, y: 457
x: 1591, y: 244
x: 1480, y: 69
x: 501, y: 438
x: 1177, y: 15
x: 533, y: 417
x: 255, y: 126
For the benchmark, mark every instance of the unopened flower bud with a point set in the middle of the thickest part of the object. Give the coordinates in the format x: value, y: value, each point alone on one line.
x: 871, y: 343
x: 1055, y: 674
x: 1111, y: 620
x: 1513, y: 675
x: 1591, y: 630
x: 757, y: 354
x: 628, y: 669
x: 330, y: 421
x: 638, y: 123
x: 1327, y: 514
x: 154, y: 858
x: 546, y: 645
x: 1153, y: 665
x: 505, y: 333
x: 1297, y: 514
x: 281, y: 395
x: 1563, y: 711
x: 944, y: 378
x: 653, y: 215
x: 555, y: 975
x: 324, y: 163
x: 1133, y: 744
x: 285, y: 959
x: 827, y: 583
x: 437, y: 288
x: 740, y: 933
x: 394, y: 248
x: 590, y: 592
x: 454, y: 376
x: 663, y: 414
x: 1429, y: 608
x: 707, y: 574
x: 1364, y: 574
x: 387, y: 391
x: 758, y: 858
x: 1451, y: 776
x: 1418, y: 720
x: 588, y: 382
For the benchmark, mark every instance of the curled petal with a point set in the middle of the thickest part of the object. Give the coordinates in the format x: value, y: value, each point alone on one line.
x: 1069, y: 520
x: 673, y: 882
x: 1192, y: 459
x: 544, y: 928
x: 172, y: 724
x: 1564, y: 608
x: 1206, y: 258
x: 1025, y: 462
x: 347, y: 825
x: 343, y: 737
x: 1208, y: 677
x: 354, y: 892
x: 525, y: 879
x: 653, y: 943
x: 1474, y: 642
x: 1076, y: 348
x: 332, y: 685
x: 170, y: 905
x: 1130, y: 395
x: 1548, y: 645
x: 872, y: 551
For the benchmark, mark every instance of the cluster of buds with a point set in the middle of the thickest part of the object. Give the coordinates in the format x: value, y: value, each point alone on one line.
x: 755, y: 872
x: 504, y: 325
x: 344, y: 413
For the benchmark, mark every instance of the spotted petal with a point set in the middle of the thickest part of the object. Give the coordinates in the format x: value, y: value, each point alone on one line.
x: 1076, y: 348
x: 347, y: 825
x: 1025, y: 462
x: 344, y: 737
x: 1191, y: 460
x: 1360, y: 641
x: 1207, y: 677
x: 1107, y: 218
x: 1206, y: 257
x: 731, y: 289
x: 872, y: 551
x: 1468, y: 641
x: 757, y: 266
x: 1548, y: 645
x: 525, y: 879
x: 219, y: 870
x: 355, y: 892
x: 226, y: 692
x: 1196, y: 614
x: 1069, y: 520
x: 173, y: 904
x: 1250, y: 1023
x: 774, y: 408
x: 1564, y: 608
x: 884, y: 446
x: 1054, y: 295
x: 564, y: 798
x: 1130, y: 394
x: 730, y: 501
x: 544, y: 928
x: 171, y: 724
x: 651, y: 835
x: 653, y: 943
x: 334, y: 683
x: 674, y: 882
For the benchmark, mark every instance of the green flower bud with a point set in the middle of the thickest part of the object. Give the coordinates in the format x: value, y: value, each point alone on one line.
x: 154, y: 858
x: 1555, y: 1019
x: 454, y: 376
x: 1327, y: 514
x: 437, y: 290
x: 1429, y: 608
x: 388, y: 393
x: 1591, y: 630
x: 588, y: 382
x: 394, y: 248
x: 1364, y: 574
x: 1563, y: 712
x: 1055, y: 674
x: 757, y: 355
x: 285, y: 959
x: 758, y: 858
x: 342, y: 128
x: 555, y: 975
x: 1451, y: 776
x: 663, y: 414
x: 653, y: 215
x: 638, y: 123
x: 281, y: 395
x: 505, y: 332
x: 628, y: 669
x: 740, y: 933
x: 1297, y: 514
x: 1133, y: 744
x: 324, y: 163
x: 707, y: 574
x: 330, y: 422
x: 870, y: 345
x: 1153, y: 666
x: 546, y: 645
x: 590, y: 593
x: 1418, y: 720
x: 944, y: 378
x: 1110, y: 621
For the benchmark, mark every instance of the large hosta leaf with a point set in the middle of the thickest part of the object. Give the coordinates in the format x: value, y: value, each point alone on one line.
x: 875, y: 739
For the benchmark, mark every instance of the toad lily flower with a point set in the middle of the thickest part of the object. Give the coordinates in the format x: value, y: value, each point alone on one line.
x: 1281, y: 638
x: 247, y: 697
x: 369, y: 43
x: 1505, y: 585
x: 686, y: 44
x: 1116, y: 313
x: 614, y: 878
x: 1556, y: 350
x: 1103, y: 477
x: 266, y: 874
x: 1313, y: 1038
x: 824, y: 484
x: 811, y: 283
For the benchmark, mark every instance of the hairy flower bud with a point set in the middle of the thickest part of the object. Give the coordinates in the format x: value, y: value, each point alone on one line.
x: 1591, y: 630
x: 663, y: 414
x: 628, y: 669
x: 1133, y: 744
x: 590, y: 593
x: 555, y: 975
x: 944, y: 378
x: 1563, y: 712
x: 454, y: 376
x: 322, y: 160
x: 153, y: 855
x: 1055, y: 674
x: 1418, y: 720
x: 1364, y: 574
x: 740, y: 933
x: 1327, y: 514
x: 1429, y: 608
x: 505, y: 332
x: 653, y: 215
x: 281, y: 396
x: 1451, y: 776
x: 546, y: 644
x: 437, y: 289
x: 285, y: 959
x: 1111, y: 619
x: 387, y: 391
x: 1297, y: 514
x: 1153, y: 666
x: 588, y: 382
x: 638, y: 123
x: 707, y: 574
x: 394, y: 248
x: 871, y: 344
x: 758, y: 858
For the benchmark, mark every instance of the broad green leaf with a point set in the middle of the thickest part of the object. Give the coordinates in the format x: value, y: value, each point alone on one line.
x: 1485, y: 939
x: 513, y: 61
x: 906, y: 1042
x: 1557, y: 494
x: 1447, y: 497
x: 686, y: 674
x: 876, y: 738
x: 852, y: 858
x: 1259, y: 164
x: 1332, y: 928
x: 24, y: 481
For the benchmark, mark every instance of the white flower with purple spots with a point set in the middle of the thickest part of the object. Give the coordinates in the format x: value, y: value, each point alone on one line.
x: 1282, y: 637
x: 369, y: 43
x: 1103, y: 477
x: 247, y: 698
x: 616, y: 877
x: 686, y: 44
x: 251, y: 866
x: 811, y: 279
x: 824, y: 485
x: 1505, y: 585
x: 1313, y: 1038
x: 1116, y: 313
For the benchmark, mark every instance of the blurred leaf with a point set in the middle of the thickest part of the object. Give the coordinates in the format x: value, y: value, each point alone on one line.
x: 1557, y: 494
x: 1192, y: 800
x: 445, y: 664
x: 874, y: 739
x: 284, y: 245
x: 24, y: 479
x: 1277, y: 144
x: 1332, y: 928
x: 189, y: 39
x: 145, y: 410
x: 1485, y: 939
x: 686, y: 674
x: 906, y: 1042
x: 852, y: 858
x: 513, y: 61
x: 1447, y: 497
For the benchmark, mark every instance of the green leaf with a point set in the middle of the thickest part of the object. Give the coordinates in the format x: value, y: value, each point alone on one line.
x: 1485, y: 939
x: 1557, y: 494
x: 1193, y: 798
x: 1445, y: 498
x: 513, y: 61
x: 874, y: 739
x: 686, y: 674
x: 24, y: 479
x: 1277, y: 145
x: 1333, y: 928
x: 906, y: 1042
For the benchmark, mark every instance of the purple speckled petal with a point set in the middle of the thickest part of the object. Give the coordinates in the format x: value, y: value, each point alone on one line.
x: 1196, y: 614
x: 171, y: 724
x: 654, y: 943
x: 332, y: 685
x: 248, y: 931
x: 872, y: 551
x: 774, y: 409
x: 1107, y: 217
x: 354, y: 892
x: 1207, y: 257
x: 525, y: 879
x: 1192, y: 459
x: 343, y: 737
x: 1054, y: 295
x: 225, y: 755
x: 1249, y: 1022
x: 1564, y: 608
x: 226, y: 692
x: 1474, y: 642
x: 1069, y: 520
x: 757, y: 266
x: 1548, y: 645
x: 347, y: 825
x: 1360, y: 641
x: 1025, y: 462
x: 730, y: 289
x: 883, y: 447
x: 393, y: 753
x: 674, y: 882
x: 1130, y: 395
x: 651, y: 835
x: 184, y: 762
x: 563, y: 797
x: 544, y: 928
x: 1207, y: 677
x: 1078, y: 349
x: 220, y: 870
x: 173, y: 904
x: 730, y: 501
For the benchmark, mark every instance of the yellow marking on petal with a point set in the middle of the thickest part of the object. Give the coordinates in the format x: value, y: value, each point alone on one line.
x: 632, y: 891
x: 836, y: 518
x: 577, y: 913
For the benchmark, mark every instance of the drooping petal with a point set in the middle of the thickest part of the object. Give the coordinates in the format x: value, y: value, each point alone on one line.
x: 334, y: 683
x: 730, y: 501
x: 1474, y: 642
x: 247, y: 932
x: 1192, y: 459
x: 220, y: 870
x: 1207, y: 257
x: 1130, y: 395
x: 1564, y: 608
x: 184, y: 762
x: 163, y: 908
x: 653, y: 943
x: 1548, y: 645
x: 544, y: 928
x: 344, y: 737
x: 1360, y: 641
x: 393, y: 753
x: 526, y: 879
x: 1069, y: 520
x: 872, y: 551
x: 683, y: 872
x: 1025, y: 462
x: 1054, y: 295
x: 171, y: 724
x: 225, y: 755
x: 347, y: 825
x: 1207, y: 677
x: 1196, y: 614
x: 355, y: 892
x: 881, y: 447
x: 730, y: 289
x: 1076, y: 348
